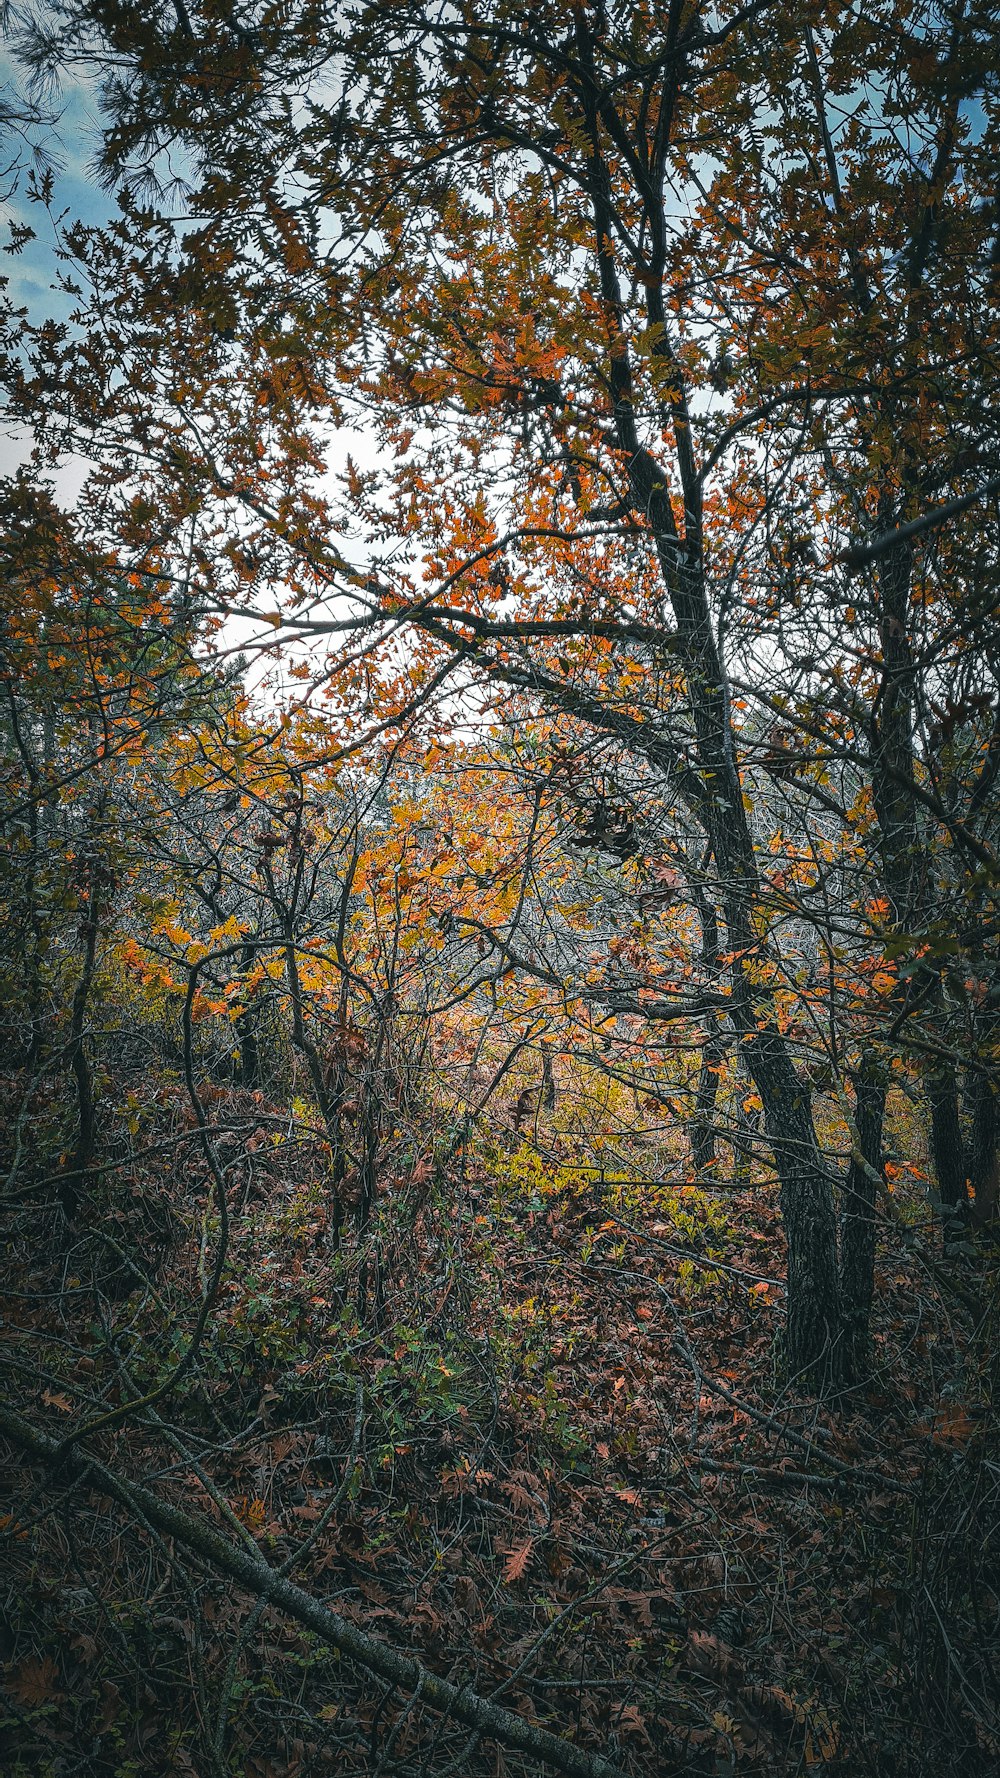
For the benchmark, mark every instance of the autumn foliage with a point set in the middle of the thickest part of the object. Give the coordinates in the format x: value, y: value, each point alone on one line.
x: 499, y: 763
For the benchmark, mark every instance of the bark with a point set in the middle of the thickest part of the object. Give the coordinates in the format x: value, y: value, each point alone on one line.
x: 74, y: 1179
x: 548, y: 1093
x: 251, y: 1572
x: 948, y: 1147
x: 35, y: 921
x: 857, y: 1229
x: 713, y: 1048
x: 984, y: 1149
x: 906, y: 862
x: 328, y: 1084
x: 812, y: 1348
x: 246, y: 1030
x: 806, y: 1188
x: 703, y: 1123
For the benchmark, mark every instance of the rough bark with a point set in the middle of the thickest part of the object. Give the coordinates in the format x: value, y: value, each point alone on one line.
x: 72, y: 1185
x: 812, y: 1338
x: 246, y: 1030
x: 984, y: 1149
x: 857, y: 1229
x: 806, y: 1190
x: 713, y: 1050
x: 947, y: 1146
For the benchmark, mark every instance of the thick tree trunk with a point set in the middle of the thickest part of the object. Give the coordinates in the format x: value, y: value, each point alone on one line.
x: 857, y: 1229
x: 812, y: 1339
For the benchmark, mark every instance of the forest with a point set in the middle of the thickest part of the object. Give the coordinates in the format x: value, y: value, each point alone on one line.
x: 500, y: 916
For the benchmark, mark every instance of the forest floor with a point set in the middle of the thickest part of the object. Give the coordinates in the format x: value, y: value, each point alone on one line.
x: 536, y: 1437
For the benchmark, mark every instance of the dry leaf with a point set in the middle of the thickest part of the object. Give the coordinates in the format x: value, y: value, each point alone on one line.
x: 62, y: 1402
x: 714, y: 1658
x: 952, y: 1426
x: 35, y: 1681
x: 517, y: 1561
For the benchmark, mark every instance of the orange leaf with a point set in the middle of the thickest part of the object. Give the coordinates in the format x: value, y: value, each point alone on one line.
x: 517, y: 1561
x: 952, y: 1426
x: 62, y: 1402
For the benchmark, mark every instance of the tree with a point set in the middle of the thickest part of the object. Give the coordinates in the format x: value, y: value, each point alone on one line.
x: 432, y: 862
x: 551, y: 249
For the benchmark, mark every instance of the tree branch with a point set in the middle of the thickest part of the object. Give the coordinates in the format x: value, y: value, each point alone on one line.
x: 254, y: 1574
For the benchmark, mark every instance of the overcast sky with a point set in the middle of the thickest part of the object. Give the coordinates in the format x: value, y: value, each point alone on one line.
x: 69, y: 146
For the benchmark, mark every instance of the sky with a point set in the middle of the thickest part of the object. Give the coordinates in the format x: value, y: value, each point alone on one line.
x: 68, y: 144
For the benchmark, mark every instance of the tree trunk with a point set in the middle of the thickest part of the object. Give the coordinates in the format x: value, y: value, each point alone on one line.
x: 713, y: 1051
x: 812, y: 1339
x: 984, y: 1149
x: 246, y: 1030
x: 857, y: 1228
x: 948, y: 1149
x: 713, y: 1047
x: 72, y: 1183
x: 390, y: 1665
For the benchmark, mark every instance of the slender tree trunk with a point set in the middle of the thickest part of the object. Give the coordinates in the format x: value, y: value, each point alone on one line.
x: 713, y: 1048
x: 72, y: 1184
x: 857, y: 1228
x: 984, y: 1149
x: 548, y: 1092
x: 713, y: 1052
x: 246, y: 1030
x: 906, y: 863
x: 806, y: 1188
x: 535, y: 1746
x: 948, y: 1148
x: 328, y: 1087
x: 34, y: 936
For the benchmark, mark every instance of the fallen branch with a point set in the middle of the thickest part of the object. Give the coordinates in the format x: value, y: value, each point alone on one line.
x: 254, y: 1574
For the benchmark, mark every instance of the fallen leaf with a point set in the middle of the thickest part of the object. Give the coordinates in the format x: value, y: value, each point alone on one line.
x: 952, y: 1426
x: 35, y: 1681
x: 517, y: 1561
x: 62, y: 1402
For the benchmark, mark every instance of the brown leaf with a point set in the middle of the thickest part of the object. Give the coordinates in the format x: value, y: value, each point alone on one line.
x: 952, y: 1426
x: 62, y: 1402
x: 111, y: 1703
x: 35, y: 1681
x: 517, y: 1561
x: 714, y: 1658
x: 632, y: 1722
